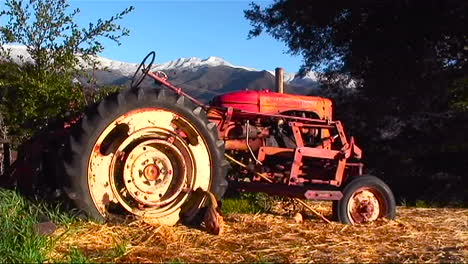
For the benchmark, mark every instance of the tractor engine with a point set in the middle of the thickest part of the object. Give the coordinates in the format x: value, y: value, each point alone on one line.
x: 262, y: 129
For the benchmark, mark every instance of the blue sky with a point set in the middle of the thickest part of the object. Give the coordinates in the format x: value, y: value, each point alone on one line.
x: 177, y: 28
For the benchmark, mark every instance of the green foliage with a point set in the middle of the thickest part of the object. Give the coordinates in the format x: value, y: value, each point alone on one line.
x: 247, y: 203
x: 459, y: 95
x: 396, y: 52
x: 101, y: 93
x: 422, y: 204
x: 356, y: 35
x: 44, y: 87
x: 29, y: 99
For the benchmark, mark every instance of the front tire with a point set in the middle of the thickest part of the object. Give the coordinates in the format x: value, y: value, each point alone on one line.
x: 365, y: 199
x: 144, y: 152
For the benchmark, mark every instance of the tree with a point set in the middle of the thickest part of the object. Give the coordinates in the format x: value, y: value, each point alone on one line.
x: 395, y: 49
x: 408, y: 61
x: 43, y: 86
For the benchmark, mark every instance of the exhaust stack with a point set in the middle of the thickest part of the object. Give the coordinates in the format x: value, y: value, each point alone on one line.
x: 279, y: 79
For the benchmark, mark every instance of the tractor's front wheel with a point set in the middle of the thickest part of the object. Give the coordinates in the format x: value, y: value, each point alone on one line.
x: 146, y: 153
x: 365, y: 199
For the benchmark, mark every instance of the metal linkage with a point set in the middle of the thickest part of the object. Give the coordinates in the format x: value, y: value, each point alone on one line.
x: 163, y: 80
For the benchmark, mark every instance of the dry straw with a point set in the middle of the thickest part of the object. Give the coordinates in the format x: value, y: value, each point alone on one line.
x: 418, y: 235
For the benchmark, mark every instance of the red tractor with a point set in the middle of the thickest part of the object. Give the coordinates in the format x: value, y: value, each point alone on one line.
x: 154, y: 152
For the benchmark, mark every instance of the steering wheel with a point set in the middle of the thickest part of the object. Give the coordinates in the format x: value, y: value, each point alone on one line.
x: 142, y: 70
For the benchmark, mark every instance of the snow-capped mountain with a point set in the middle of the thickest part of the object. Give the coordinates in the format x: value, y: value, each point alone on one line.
x: 190, y: 64
x: 202, y: 78
x: 194, y: 63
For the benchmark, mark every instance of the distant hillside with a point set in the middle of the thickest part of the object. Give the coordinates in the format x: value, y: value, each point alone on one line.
x: 202, y: 78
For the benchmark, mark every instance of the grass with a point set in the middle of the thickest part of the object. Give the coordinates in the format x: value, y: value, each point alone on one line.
x: 76, y: 256
x: 119, y: 249
x: 19, y: 243
x: 420, y: 203
x: 247, y: 203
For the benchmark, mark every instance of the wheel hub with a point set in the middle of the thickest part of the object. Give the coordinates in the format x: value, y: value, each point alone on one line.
x: 149, y: 173
x: 364, y: 206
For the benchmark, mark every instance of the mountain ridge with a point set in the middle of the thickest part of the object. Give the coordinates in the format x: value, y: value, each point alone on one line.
x: 202, y: 78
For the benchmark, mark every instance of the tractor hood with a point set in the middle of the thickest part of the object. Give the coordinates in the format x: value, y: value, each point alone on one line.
x: 268, y: 102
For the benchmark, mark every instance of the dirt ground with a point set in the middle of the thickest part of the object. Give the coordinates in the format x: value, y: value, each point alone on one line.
x: 417, y: 235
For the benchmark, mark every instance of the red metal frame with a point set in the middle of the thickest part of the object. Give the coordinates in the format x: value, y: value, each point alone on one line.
x: 301, y: 151
x: 236, y: 108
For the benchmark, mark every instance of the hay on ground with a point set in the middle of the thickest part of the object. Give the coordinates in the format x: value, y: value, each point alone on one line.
x: 417, y: 235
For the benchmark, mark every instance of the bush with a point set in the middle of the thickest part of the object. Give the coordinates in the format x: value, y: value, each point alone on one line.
x: 44, y: 86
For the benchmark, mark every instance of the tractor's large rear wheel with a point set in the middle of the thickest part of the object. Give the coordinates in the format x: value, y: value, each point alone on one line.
x: 147, y: 153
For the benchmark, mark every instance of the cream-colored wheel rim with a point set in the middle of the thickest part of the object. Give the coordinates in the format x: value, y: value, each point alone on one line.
x: 365, y: 206
x: 148, y: 161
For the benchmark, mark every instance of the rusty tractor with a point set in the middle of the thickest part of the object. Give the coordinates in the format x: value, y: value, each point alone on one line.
x: 153, y: 152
